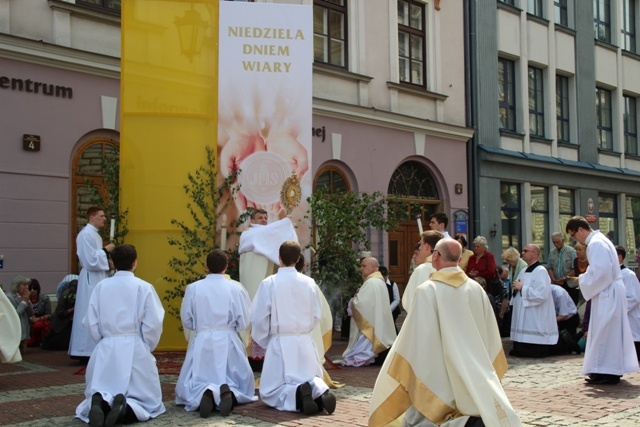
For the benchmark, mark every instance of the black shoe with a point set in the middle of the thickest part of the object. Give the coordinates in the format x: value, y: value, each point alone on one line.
x: 96, y: 413
x: 206, y: 404
x: 474, y: 422
x: 572, y: 345
x: 327, y: 402
x: 226, y: 400
x: 603, y: 379
x: 306, y: 403
x: 118, y: 410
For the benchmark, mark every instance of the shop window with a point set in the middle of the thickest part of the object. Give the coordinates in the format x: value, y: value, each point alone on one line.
x: 632, y: 214
x: 566, y: 199
x: 540, y: 219
x: 608, y: 216
x: 511, y: 214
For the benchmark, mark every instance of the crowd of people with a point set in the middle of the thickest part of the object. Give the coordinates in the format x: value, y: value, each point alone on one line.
x: 278, y: 317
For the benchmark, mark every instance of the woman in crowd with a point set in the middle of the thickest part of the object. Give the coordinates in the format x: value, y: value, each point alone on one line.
x: 580, y: 264
x: 19, y: 298
x: 466, y: 253
x: 41, y: 320
x: 515, y: 265
x: 482, y: 263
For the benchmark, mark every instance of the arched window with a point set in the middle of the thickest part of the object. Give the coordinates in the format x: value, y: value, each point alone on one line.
x: 332, y: 178
x: 412, y: 179
x: 89, y: 186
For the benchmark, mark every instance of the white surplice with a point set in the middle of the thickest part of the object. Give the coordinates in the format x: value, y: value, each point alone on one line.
x: 372, y: 330
x: 216, y: 308
x: 418, y: 277
x: 95, y: 267
x: 283, y: 313
x: 632, y: 287
x: 534, y: 315
x: 447, y: 362
x: 10, y: 331
x: 262, y: 244
x: 259, y: 254
x: 610, y: 349
x: 124, y: 318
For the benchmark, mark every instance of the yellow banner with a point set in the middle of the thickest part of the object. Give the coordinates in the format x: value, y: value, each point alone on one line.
x: 168, y: 116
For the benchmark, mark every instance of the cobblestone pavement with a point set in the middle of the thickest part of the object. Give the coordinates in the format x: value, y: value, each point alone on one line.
x: 44, y: 391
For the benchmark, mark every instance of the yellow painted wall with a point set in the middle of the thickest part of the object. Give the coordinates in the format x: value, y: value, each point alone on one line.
x: 169, y: 115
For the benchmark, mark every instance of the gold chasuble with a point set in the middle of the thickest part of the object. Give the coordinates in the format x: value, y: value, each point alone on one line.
x: 369, y: 315
x: 447, y: 361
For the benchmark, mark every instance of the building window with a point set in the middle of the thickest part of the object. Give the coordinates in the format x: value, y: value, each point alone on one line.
x: 412, y: 179
x: 562, y: 108
x: 630, y: 126
x: 507, y: 94
x: 604, y: 121
x: 633, y: 226
x: 536, y: 102
x: 411, y: 42
x: 566, y: 201
x: 510, y: 214
x: 560, y: 12
x: 628, y: 25
x: 534, y: 7
x: 111, y: 6
x: 330, y: 32
x: 540, y: 218
x: 511, y: 2
x: 608, y: 216
x: 602, y: 20
x: 333, y: 179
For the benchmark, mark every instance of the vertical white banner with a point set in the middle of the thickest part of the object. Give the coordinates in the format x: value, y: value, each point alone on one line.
x: 265, y: 102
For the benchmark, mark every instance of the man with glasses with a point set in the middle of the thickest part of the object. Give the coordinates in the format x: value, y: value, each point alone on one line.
x: 533, y: 322
x: 610, y: 351
x: 447, y: 361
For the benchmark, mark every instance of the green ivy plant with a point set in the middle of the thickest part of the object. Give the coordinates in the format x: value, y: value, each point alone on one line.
x: 341, y: 225
x: 208, y: 200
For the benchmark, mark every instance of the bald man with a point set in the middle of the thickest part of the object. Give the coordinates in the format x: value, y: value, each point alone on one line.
x: 448, y: 373
x: 372, y: 330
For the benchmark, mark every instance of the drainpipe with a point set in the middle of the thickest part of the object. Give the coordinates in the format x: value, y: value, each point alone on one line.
x: 470, y: 67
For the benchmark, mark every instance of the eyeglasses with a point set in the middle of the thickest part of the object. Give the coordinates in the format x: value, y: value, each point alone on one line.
x: 526, y: 250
